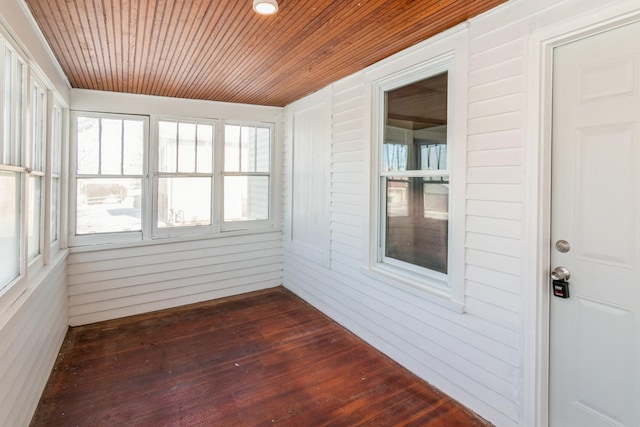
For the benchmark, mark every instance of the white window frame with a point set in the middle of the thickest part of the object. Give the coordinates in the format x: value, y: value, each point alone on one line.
x: 37, y: 160
x: 150, y: 230
x: 116, y: 237
x: 447, y: 53
x: 29, y: 132
x: 17, y: 163
x: 164, y: 232
x: 229, y: 226
x: 55, y: 172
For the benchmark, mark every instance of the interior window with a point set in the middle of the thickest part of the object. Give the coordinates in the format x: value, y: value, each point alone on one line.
x: 414, y: 175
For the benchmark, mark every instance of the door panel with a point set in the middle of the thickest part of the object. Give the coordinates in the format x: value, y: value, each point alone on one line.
x: 595, y: 333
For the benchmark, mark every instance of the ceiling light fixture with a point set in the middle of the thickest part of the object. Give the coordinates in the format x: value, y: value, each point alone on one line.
x: 265, y: 7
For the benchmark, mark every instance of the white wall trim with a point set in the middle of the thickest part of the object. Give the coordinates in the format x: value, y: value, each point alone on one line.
x: 537, y: 205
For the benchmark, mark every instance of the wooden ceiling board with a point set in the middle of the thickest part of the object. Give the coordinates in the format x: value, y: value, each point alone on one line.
x: 221, y: 50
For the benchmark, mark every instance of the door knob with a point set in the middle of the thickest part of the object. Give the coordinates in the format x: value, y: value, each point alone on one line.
x: 560, y: 273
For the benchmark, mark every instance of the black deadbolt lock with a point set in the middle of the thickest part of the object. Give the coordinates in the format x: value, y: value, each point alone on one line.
x: 560, y: 288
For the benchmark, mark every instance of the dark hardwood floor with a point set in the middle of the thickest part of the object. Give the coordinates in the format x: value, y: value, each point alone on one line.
x: 260, y: 359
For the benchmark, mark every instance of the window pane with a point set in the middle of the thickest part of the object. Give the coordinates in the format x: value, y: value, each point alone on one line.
x: 108, y: 205
x: 13, y: 92
x: 19, y: 96
x: 433, y: 156
x: 7, y: 157
x: 167, y: 134
x: 33, y: 241
x: 38, y: 127
x: 435, y: 199
x: 232, y: 148
x: 56, y: 149
x: 263, y: 142
x: 111, y: 147
x: 55, y: 189
x: 394, y: 157
x: 246, y: 198
x: 248, y: 149
x: 133, y: 147
x: 184, y: 201
x: 415, y: 134
x: 88, y: 145
x: 9, y: 227
x: 417, y: 227
x: 205, y: 147
x: 187, y: 147
x: 397, y: 197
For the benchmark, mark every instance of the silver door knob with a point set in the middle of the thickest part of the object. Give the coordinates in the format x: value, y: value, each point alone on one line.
x: 560, y: 273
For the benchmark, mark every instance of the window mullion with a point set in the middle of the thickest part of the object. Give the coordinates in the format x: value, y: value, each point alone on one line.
x: 122, y: 147
x: 218, y: 152
x: 255, y: 148
x: 177, y: 146
x: 100, y: 146
x: 195, y: 149
x: 240, y: 150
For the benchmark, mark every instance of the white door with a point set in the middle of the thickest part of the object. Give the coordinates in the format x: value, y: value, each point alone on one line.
x: 595, y: 333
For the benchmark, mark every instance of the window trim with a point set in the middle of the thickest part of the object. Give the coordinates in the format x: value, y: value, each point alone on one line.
x: 446, y: 53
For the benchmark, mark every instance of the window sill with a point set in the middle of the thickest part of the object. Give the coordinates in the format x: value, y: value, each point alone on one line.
x: 405, y: 282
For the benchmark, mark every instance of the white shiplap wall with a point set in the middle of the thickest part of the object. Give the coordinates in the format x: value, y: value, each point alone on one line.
x: 477, y: 356
x: 111, y: 283
x: 31, y: 333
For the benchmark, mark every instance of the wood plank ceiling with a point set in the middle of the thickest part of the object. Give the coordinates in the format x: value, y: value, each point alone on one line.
x: 221, y: 50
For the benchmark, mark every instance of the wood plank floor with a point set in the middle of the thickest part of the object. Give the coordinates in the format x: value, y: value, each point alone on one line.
x: 259, y: 359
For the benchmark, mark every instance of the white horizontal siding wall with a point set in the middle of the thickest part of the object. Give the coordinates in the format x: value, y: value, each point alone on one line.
x: 476, y: 356
x: 31, y: 333
x: 111, y: 283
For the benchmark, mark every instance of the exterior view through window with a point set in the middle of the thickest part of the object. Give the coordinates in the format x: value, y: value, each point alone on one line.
x: 415, y: 175
x: 205, y: 176
x: 246, y: 172
x: 109, y: 175
x: 185, y: 173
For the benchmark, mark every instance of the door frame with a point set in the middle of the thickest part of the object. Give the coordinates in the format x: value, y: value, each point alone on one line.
x: 536, y: 228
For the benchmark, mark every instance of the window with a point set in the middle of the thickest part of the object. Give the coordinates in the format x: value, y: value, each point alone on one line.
x: 25, y: 172
x: 420, y: 163
x: 184, y: 179
x: 206, y: 176
x: 109, y: 169
x: 247, y: 161
x: 13, y: 172
x: 415, y: 174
